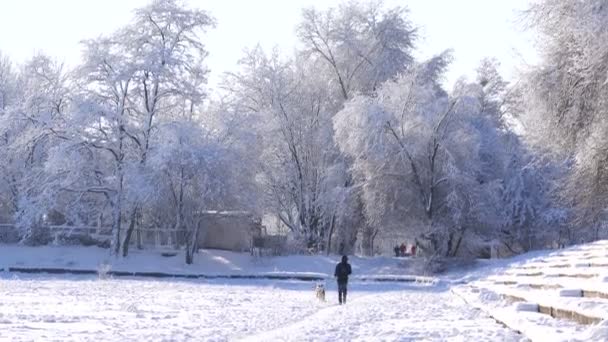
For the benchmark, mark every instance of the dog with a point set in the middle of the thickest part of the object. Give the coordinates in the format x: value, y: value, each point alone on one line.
x: 320, y: 292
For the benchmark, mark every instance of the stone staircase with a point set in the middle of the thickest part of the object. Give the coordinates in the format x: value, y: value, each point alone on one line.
x: 566, y: 288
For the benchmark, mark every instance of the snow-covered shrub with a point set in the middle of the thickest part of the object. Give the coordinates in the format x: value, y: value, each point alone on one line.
x: 80, y: 240
x: 8, y: 234
x: 36, y: 236
x: 270, y: 245
x: 435, y: 264
x: 295, y: 245
x: 103, y: 270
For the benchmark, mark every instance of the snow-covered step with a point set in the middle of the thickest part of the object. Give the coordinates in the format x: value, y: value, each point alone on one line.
x: 571, y: 293
x: 539, y: 286
x: 595, y: 294
x: 574, y: 272
x: 570, y: 259
x: 587, y: 262
x: 538, y: 326
x: 522, y: 316
x: 585, y: 254
x: 581, y: 310
x: 525, y: 274
x: 589, y: 288
x: 540, y: 266
x: 528, y: 285
x: 558, y: 296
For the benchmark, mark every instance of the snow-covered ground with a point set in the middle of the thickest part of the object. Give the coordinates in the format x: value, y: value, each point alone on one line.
x: 548, y: 295
x: 464, y: 304
x: 42, y: 308
x: 210, y: 262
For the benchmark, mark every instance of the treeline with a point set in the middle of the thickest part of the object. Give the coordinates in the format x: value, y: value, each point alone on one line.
x: 348, y: 139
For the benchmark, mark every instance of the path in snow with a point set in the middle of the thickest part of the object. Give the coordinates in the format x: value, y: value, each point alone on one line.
x: 85, y: 309
x: 409, y: 315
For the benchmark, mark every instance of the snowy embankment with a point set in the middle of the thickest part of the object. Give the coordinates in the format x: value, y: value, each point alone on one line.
x: 208, y: 264
x: 548, y: 296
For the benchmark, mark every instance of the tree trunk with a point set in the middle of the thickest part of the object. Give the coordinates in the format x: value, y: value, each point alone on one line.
x: 448, y: 250
x: 458, y: 244
x: 373, y: 239
x: 189, y: 256
x: 330, y: 234
x: 139, y: 239
x: 192, y: 244
x: 366, y: 241
x: 431, y: 245
x: 132, y: 224
x: 179, y: 213
x: 115, y: 245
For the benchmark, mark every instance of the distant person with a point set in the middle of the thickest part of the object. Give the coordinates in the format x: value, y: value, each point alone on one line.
x: 413, y: 250
x: 397, y: 250
x: 343, y: 270
x: 403, y: 248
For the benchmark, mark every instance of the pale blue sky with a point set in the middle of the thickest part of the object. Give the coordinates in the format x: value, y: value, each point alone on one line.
x: 473, y: 28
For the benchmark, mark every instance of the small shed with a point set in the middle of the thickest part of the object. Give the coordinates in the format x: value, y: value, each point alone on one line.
x: 228, y: 230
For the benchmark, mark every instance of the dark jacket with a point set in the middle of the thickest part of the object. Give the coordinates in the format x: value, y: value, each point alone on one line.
x: 343, y: 270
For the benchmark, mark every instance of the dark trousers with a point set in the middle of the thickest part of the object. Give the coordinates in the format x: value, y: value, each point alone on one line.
x: 342, y: 291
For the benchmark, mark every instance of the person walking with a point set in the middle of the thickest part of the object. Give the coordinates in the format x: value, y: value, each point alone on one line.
x: 343, y: 270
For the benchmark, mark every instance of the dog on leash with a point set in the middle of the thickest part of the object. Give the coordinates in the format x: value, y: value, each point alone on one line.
x: 320, y: 292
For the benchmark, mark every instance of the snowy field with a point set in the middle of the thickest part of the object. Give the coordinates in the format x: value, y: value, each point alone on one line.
x: 527, y: 293
x: 42, y: 308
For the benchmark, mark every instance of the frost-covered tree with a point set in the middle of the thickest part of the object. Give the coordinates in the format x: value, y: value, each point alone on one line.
x: 30, y: 126
x: 360, y: 44
x: 128, y: 140
x: 294, y: 113
x: 7, y: 83
x: 167, y: 60
x: 566, y: 91
x: 430, y: 162
x: 194, y: 171
x: 564, y: 101
x: 344, y: 50
x: 130, y: 82
x: 523, y: 216
x: 531, y: 218
x: 8, y: 192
